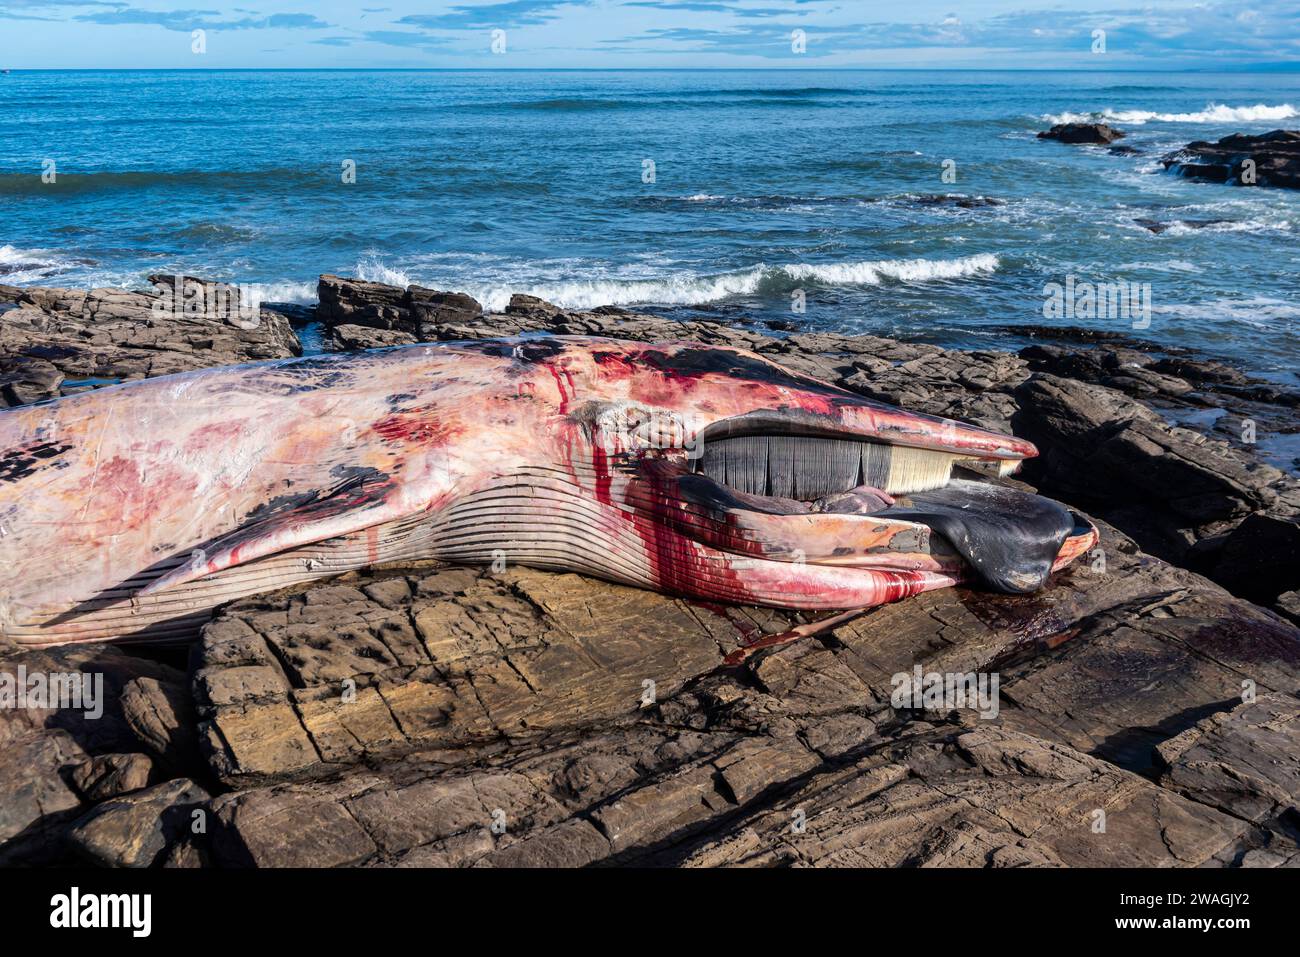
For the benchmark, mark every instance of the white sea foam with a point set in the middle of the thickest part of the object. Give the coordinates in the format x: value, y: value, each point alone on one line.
x: 284, y: 291
x: 1261, y: 312
x: 686, y: 288
x: 1252, y: 226
x: 904, y: 270
x: 1213, y: 113
x: 373, y: 269
x: 25, y: 266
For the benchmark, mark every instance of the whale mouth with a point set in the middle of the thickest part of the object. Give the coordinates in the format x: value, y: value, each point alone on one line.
x: 832, y: 493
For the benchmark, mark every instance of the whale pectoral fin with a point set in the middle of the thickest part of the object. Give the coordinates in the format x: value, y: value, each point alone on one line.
x: 365, y: 499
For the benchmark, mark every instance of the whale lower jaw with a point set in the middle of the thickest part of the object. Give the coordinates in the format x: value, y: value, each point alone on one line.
x: 662, y: 535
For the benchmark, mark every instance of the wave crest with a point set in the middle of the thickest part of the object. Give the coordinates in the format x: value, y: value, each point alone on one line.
x: 1213, y: 113
x: 26, y: 266
x: 690, y: 289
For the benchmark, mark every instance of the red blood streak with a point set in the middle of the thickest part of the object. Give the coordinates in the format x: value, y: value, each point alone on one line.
x: 421, y: 426
x: 563, y: 383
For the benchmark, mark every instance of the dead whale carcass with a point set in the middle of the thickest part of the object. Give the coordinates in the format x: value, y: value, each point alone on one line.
x: 134, y: 510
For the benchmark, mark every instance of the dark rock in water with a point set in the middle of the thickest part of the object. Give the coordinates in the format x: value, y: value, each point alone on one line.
x: 953, y: 199
x: 1124, y: 151
x: 430, y: 305
x: 356, y: 302
x: 1110, y: 449
x: 1082, y: 133
x: 360, y: 302
x: 1201, y: 371
x: 298, y: 314
x: 1156, y: 226
x: 349, y: 336
x: 1078, y: 334
x: 1194, y: 489
x: 1270, y: 159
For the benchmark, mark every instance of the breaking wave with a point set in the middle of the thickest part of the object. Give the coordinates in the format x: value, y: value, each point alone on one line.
x: 24, y: 266
x: 1213, y: 113
x: 686, y: 289
x: 286, y: 290
x: 373, y: 269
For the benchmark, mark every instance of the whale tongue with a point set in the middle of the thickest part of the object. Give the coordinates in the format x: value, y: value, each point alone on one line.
x: 1010, y: 538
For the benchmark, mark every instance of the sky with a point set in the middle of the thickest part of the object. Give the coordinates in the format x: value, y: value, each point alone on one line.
x: 649, y: 34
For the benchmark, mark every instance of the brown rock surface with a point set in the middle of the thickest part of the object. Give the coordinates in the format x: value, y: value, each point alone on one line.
x: 352, y: 303
x: 35, y: 800
x: 504, y: 720
x: 161, y: 713
x: 59, y: 341
x: 110, y: 775
x: 53, y: 760
x: 136, y: 829
x: 300, y: 682
x: 1244, y: 761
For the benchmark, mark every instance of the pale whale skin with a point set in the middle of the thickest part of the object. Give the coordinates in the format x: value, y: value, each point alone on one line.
x: 131, y: 512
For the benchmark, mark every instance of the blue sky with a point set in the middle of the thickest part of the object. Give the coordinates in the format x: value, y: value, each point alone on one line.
x: 999, y: 34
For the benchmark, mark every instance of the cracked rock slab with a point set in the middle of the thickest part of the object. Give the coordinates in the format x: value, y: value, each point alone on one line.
x: 443, y: 658
x: 1245, y: 762
x: 977, y: 798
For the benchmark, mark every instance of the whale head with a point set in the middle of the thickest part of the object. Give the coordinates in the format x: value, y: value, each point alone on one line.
x: 717, y: 473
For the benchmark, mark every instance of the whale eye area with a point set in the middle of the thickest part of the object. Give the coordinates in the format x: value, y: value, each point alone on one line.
x: 809, y: 467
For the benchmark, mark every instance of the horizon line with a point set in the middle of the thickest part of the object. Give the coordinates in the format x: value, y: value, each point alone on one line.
x: 1262, y: 67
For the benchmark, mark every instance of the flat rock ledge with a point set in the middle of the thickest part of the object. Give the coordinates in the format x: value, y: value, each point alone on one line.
x: 56, y: 342
x: 429, y: 715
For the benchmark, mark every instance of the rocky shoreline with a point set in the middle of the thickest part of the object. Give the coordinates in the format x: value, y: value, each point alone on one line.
x: 428, y: 715
x: 1272, y: 159
x: 1267, y: 159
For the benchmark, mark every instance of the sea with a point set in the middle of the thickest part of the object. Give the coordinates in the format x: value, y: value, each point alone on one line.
x: 913, y: 204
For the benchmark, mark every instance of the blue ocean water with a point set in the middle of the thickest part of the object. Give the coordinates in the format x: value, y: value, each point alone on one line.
x: 764, y: 184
